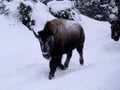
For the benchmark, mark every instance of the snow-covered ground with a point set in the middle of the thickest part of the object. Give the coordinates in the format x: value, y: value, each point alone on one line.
x: 22, y: 67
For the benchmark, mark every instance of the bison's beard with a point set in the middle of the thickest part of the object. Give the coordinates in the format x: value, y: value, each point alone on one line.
x: 47, y: 56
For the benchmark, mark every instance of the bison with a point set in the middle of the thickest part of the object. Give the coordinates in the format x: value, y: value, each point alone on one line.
x: 59, y: 37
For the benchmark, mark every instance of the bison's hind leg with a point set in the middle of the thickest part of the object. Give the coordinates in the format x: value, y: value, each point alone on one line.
x: 80, y: 51
x: 69, y: 55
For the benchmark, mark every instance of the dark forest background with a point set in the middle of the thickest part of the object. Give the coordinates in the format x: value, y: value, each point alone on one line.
x: 103, y: 10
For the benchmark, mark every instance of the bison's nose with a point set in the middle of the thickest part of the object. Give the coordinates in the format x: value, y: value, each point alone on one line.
x: 115, y: 38
x: 46, y: 55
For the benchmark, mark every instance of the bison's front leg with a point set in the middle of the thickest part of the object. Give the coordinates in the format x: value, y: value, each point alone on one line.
x: 53, y: 65
x: 61, y: 66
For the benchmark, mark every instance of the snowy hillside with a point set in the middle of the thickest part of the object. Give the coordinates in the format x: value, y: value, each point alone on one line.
x: 22, y: 66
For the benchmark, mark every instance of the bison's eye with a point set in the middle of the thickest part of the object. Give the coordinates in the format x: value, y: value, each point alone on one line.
x: 49, y: 41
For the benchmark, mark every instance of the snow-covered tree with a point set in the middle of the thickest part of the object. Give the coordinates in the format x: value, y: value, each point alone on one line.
x: 25, y: 15
x: 45, y: 1
x: 118, y: 5
x: 3, y: 8
x: 98, y: 9
x: 63, y: 9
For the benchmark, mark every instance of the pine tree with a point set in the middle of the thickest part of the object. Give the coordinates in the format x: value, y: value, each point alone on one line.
x: 3, y: 8
x: 25, y: 15
x: 118, y: 5
x: 98, y: 9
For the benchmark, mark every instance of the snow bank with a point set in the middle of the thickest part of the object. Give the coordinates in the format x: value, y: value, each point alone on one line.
x: 22, y: 66
x: 41, y: 15
x: 40, y: 12
x: 64, y: 9
x: 56, y: 5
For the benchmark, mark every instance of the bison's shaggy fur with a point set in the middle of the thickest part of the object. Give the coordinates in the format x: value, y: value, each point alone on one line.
x: 60, y: 37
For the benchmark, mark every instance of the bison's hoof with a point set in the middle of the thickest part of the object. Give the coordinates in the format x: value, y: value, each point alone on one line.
x: 81, y: 62
x: 62, y: 67
x: 65, y: 66
x: 51, y: 76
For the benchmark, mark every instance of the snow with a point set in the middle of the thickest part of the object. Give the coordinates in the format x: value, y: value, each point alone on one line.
x: 40, y: 10
x: 22, y: 66
x: 59, y: 5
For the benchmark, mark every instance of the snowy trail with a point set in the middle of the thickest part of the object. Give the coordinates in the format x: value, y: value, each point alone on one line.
x: 22, y: 66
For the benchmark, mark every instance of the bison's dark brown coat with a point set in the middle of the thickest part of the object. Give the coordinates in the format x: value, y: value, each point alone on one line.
x: 65, y: 35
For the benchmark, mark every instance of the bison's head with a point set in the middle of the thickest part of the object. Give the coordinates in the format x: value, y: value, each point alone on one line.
x: 46, y: 41
x: 115, y: 31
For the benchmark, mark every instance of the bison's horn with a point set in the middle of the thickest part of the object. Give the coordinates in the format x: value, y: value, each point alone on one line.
x: 35, y: 34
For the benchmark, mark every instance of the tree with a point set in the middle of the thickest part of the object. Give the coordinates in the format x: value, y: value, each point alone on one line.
x: 118, y: 5
x: 97, y: 9
x: 3, y: 9
x: 25, y: 15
